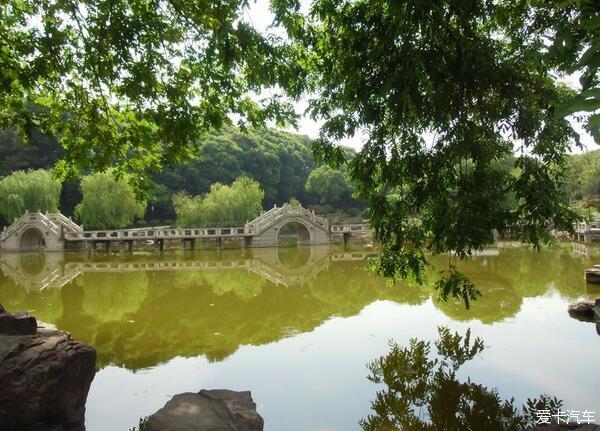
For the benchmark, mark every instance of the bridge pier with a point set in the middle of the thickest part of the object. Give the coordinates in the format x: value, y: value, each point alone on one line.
x: 346, y: 237
x: 126, y: 245
x: 218, y: 242
x: 190, y: 241
x: 106, y: 245
x: 160, y: 243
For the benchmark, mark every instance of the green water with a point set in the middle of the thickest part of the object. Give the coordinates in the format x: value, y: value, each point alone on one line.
x: 296, y: 326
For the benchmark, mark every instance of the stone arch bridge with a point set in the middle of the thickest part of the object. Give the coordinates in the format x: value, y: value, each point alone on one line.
x: 55, y: 232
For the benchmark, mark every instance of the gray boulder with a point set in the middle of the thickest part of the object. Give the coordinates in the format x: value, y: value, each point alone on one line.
x: 17, y: 323
x: 586, y: 310
x: 44, y: 381
x: 208, y: 410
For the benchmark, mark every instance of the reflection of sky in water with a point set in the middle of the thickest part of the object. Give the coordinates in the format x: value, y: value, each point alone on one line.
x: 316, y: 380
x: 307, y: 368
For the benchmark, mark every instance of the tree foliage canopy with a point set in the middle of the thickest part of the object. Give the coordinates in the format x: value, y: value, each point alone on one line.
x: 331, y: 185
x: 28, y: 190
x: 223, y: 206
x: 574, y: 48
x: 133, y: 84
x: 583, y: 178
x: 279, y: 161
x: 442, y: 90
x: 108, y: 202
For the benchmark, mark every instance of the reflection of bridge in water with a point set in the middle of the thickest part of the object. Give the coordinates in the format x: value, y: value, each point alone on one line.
x: 586, y: 250
x: 54, y: 270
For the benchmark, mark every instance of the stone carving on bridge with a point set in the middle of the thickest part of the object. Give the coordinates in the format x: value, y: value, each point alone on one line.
x: 55, y: 232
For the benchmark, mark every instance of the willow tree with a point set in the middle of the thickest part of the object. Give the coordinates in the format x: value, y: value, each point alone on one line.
x: 28, y: 191
x: 223, y: 205
x: 108, y: 202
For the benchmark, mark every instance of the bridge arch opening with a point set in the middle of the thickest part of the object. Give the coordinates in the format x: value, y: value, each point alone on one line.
x: 32, y: 239
x: 293, y: 233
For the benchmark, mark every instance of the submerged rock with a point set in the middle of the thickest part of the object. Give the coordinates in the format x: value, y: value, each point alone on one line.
x: 44, y: 380
x: 586, y: 310
x: 208, y: 410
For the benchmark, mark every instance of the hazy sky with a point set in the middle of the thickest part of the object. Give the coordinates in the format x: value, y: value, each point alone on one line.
x: 260, y: 17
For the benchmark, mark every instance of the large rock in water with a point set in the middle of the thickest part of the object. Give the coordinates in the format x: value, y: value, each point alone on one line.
x: 208, y: 410
x: 586, y: 310
x: 44, y: 380
x: 17, y: 323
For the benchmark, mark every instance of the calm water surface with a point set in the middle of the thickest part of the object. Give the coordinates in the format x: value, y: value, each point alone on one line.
x: 296, y: 326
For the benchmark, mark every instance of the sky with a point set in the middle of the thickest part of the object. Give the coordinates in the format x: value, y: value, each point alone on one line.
x: 260, y: 17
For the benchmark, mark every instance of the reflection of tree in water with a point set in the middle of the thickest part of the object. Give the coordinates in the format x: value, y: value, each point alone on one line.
x: 239, y: 282
x: 188, y: 317
x: 141, y: 318
x: 498, y: 301
x: 44, y: 304
x: 423, y: 393
x: 110, y: 296
x: 514, y: 274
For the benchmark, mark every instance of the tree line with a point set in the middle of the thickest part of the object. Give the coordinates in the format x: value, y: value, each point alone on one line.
x: 232, y: 176
x: 105, y: 200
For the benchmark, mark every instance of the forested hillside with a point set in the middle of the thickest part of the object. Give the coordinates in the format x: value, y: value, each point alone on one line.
x: 280, y: 162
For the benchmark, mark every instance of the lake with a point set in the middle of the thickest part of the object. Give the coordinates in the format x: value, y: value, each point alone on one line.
x: 297, y: 326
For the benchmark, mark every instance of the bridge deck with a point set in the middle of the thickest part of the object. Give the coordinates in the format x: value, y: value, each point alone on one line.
x: 192, y: 233
x: 54, y: 231
x: 156, y: 234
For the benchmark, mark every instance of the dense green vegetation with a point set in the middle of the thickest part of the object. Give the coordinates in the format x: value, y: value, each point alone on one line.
x: 583, y: 181
x: 331, y: 185
x: 224, y: 205
x: 135, y: 84
x: 442, y: 91
x: 280, y: 162
x: 28, y: 190
x: 108, y: 202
